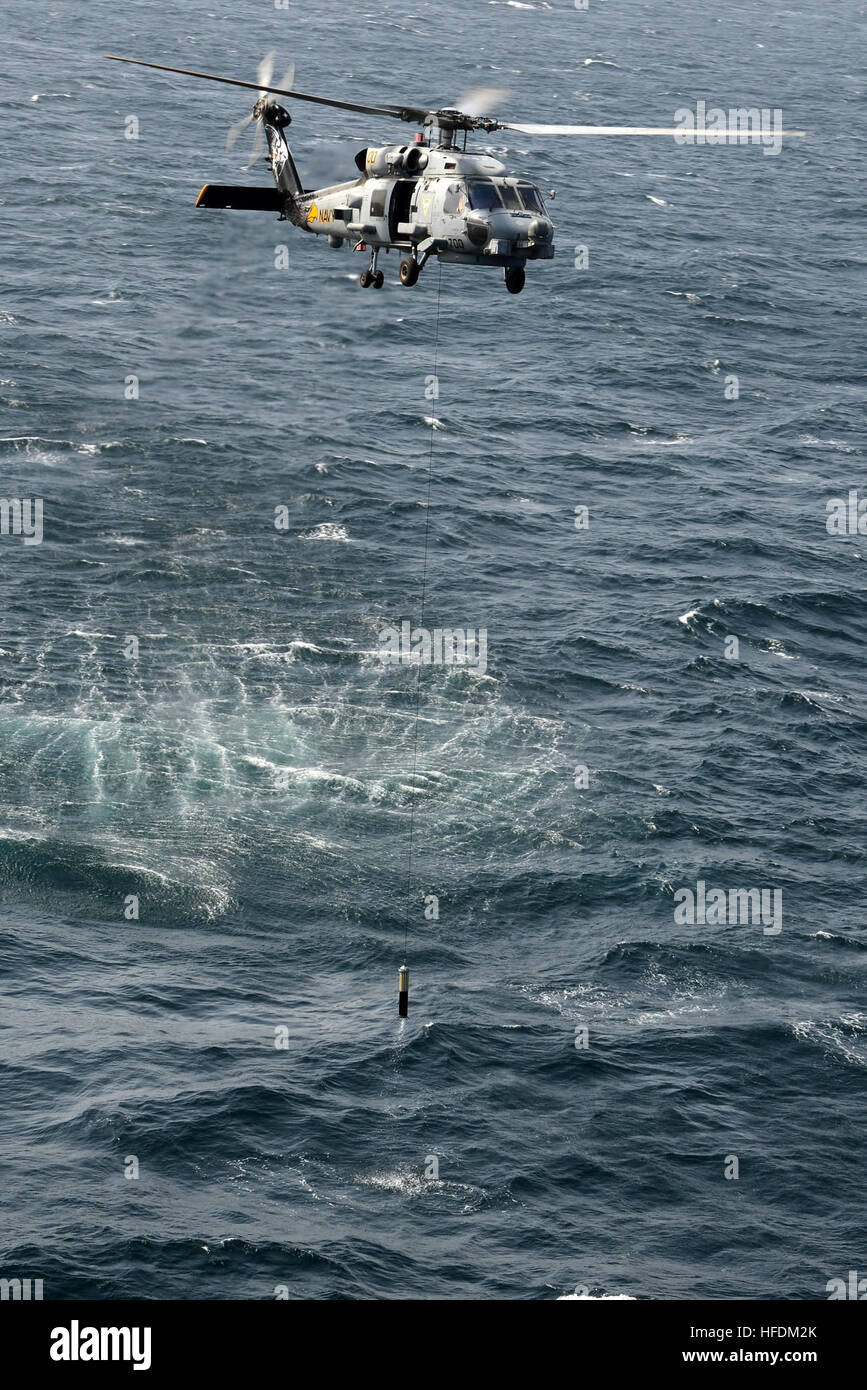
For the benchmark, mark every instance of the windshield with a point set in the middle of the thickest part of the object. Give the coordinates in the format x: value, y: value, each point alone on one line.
x: 531, y: 197
x: 483, y: 196
x: 509, y: 195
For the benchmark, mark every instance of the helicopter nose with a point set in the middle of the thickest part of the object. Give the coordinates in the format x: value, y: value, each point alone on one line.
x: 539, y: 229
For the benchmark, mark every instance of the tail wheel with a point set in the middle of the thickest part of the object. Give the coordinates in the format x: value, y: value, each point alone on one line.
x: 378, y: 280
x: 408, y: 271
x: 515, y: 277
x: 365, y: 279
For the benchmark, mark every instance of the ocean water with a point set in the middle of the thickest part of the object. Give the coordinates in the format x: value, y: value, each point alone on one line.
x: 247, y: 776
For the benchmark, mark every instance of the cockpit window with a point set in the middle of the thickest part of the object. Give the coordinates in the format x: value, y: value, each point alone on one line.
x: 509, y: 195
x: 531, y: 197
x: 483, y: 196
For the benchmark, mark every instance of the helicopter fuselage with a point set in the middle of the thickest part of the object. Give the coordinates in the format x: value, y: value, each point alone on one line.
x: 420, y: 199
x: 463, y: 208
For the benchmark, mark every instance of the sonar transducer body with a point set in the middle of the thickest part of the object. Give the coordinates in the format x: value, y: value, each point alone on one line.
x: 403, y: 991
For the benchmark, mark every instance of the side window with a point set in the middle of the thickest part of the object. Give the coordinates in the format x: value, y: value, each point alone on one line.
x: 377, y: 203
x: 454, y: 200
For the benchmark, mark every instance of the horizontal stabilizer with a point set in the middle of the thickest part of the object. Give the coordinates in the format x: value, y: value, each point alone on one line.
x: 223, y: 195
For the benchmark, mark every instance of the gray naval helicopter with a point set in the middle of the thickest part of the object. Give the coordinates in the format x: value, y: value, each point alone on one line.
x: 424, y: 198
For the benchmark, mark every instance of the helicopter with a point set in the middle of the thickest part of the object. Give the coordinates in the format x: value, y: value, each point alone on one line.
x: 428, y: 197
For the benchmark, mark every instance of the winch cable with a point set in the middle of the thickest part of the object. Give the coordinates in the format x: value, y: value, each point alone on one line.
x: 433, y: 426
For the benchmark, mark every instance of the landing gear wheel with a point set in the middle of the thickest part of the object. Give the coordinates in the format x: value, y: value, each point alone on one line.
x: 378, y: 280
x: 408, y: 271
x: 515, y: 277
x: 365, y: 279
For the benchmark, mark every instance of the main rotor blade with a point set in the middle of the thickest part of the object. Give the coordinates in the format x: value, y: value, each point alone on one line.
x: 413, y: 114
x: 588, y: 129
x: 482, y: 101
x: 623, y: 130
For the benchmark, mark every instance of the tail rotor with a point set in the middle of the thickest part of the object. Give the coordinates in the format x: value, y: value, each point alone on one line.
x: 264, y: 74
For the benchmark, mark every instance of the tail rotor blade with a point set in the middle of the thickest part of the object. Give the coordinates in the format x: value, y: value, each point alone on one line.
x: 237, y: 130
x: 258, y: 147
x: 265, y: 70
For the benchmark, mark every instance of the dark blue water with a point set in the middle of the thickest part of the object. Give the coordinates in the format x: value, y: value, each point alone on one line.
x: 249, y: 776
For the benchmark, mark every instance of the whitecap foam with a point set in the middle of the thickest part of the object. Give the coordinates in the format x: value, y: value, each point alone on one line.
x: 844, y: 1037
x: 409, y: 1183
x: 568, y: 1297
x: 326, y: 531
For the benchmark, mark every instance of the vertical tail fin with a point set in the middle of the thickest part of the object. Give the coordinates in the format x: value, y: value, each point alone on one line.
x: 275, y: 119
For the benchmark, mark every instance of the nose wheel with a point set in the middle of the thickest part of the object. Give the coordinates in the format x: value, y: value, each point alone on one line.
x: 515, y: 276
x: 372, y: 276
